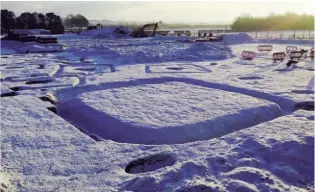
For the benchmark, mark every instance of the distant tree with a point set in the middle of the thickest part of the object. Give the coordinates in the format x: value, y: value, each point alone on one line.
x: 49, y: 20
x: 28, y: 20
x: 288, y: 21
x: 41, y: 21
x: 53, y: 23
x: 76, y: 21
x: 57, y: 26
x: 8, y: 19
x: 67, y: 20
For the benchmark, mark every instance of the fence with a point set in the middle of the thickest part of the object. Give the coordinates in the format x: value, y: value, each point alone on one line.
x: 282, y: 35
x: 256, y: 35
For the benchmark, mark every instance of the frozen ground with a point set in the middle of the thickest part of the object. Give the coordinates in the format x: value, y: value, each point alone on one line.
x: 194, y: 118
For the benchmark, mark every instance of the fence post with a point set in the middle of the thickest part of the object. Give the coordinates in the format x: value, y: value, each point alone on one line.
x: 256, y: 34
x: 309, y: 34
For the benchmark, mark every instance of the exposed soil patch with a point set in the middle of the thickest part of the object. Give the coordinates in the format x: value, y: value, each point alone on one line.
x: 15, y: 88
x: 249, y: 78
x: 9, y: 94
x: 305, y: 105
x: 41, y: 66
x: 86, y: 69
x: 150, y: 163
x: 38, y: 75
x: 38, y: 81
x: 48, y: 99
x: 52, y: 109
x: 14, y: 67
x: 176, y: 68
x: 303, y: 91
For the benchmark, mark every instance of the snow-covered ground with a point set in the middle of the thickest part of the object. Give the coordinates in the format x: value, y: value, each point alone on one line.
x: 172, y: 116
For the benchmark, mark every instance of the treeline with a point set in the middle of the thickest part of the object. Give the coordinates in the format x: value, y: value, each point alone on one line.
x: 288, y: 21
x: 26, y: 20
x: 76, y: 21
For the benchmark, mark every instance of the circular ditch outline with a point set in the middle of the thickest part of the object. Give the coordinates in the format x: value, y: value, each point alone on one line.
x: 65, y: 102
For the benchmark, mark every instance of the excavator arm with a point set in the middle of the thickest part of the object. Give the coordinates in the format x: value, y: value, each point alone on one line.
x: 141, y: 33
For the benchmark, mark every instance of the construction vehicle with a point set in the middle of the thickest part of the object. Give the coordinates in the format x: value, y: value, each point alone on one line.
x: 141, y: 33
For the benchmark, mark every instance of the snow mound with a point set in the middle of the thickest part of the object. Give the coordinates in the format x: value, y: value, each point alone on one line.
x: 174, y: 38
x: 148, y: 50
x: 29, y: 47
x: 237, y: 38
x: 7, y: 51
x: 40, y: 48
x: 109, y: 32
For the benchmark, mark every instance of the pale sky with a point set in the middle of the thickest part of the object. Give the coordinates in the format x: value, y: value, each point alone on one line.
x: 215, y: 12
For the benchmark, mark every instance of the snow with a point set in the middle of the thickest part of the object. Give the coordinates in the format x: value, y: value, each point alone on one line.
x: 237, y: 38
x: 5, y: 51
x: 29, y: 47
x: 40, y: 48
x: 168, y: 128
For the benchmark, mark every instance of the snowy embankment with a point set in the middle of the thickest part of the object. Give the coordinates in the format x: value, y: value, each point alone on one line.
x: 146, y: 50
x: 150, y: 50
x: 108, y: 32
x: 29, y: 47
x: 237, y: 38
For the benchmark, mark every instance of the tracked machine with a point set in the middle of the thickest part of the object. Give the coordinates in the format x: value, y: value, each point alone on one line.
x: 140, y: 32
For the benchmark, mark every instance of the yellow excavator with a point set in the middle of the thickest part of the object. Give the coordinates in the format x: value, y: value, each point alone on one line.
x: 141, y: 33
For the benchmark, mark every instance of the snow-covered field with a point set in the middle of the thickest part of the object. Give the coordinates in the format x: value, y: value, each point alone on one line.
x: 155, y: 114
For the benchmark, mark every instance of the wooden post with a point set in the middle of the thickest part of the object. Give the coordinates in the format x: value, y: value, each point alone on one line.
x: 147, y: 69
x: 112, y: 68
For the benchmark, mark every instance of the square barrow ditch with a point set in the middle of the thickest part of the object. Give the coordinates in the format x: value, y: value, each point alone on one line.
x: 167, y: 112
